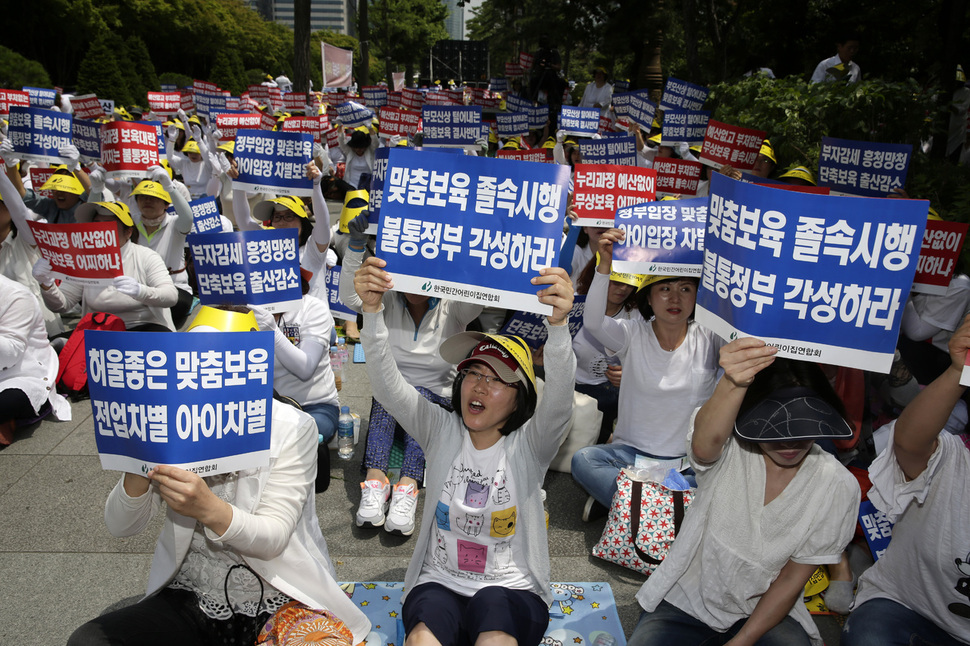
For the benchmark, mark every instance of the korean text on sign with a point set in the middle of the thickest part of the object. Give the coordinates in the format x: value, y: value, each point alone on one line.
x: 259, y: 267
x: 683, y: 126
x: 618, y: 151
x: 38, y: 134
x: 273, y: 162
x: 733, y: 145
x: 471, y: 228
x: 681, y: 95
x: 205, y: 215
x: 823, y: 278
x: 677, y: 176
x: 128, y: 149
x: 598, y: 191
x: 199, y: 401
x: 455, y: 126
x: 862, y: 167
x: 87, y: 254
x: 662, y: 238
x: 938, y: 255
x: 532, y: 327
x: 582, y: 122
x: 337, y: 307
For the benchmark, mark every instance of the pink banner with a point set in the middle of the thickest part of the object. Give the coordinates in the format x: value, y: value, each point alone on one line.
x: 398, y: 79
x: 338, y: 66
x: 128, y: 149
x: 733, y: 145
x: 398, y: 122
x: 294, y: 102
x: 394, y: 99
x: 82, y: 253
x: 938, y: 255
x: 87, y: 107
x: 677, y: 176
x: 165, y: 104
x: 601, y: 189
x: 333, y: 139
x: 525, y: 60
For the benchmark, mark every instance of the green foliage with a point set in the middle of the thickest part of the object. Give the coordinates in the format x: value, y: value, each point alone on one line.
x: 100, y: 70
x: 139, y: 70
x: 174, y: 78
x: 404, y: 31
x: 17, y: 71
x: 228, y: 73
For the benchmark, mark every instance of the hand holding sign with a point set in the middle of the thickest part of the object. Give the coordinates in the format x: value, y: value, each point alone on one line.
x: 744, y: 358
x: 370, y: 283
x: 43, y: 273
x: 187, y: 494
x: 607, y: 239
x: 558, y: 294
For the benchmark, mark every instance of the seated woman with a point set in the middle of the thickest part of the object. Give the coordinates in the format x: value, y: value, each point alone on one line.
x: 669, y: 369
x: 917, y: 593
x: 142, y: 297
x: 28, y: 363
x: 480, y: 569
x: 770, y: 507
x: 235, y: 547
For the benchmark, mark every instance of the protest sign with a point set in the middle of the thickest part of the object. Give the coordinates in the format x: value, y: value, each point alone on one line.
x: 532, y: 155
x: 938, y: 256
x: 662, y: 238
x: 37, y: 178
x: 376, y: 192
x: 266, y: 121
x: 86, y: 136
x: 352, y: 114
x: 40, y: 97
x: 107, y: 106
x: 862, y: 168
x: 726, y: 144
x: 273, y: 162
x: 259, y: 93
x: 681, y: 95
x: 208, y: 103
x: 87, y: 106
x: 412, y: 98
x: 682, y: 126
x: 87, y: 254
x: 205, y: 215
x: 165, y: 104
x: 338, y: 66
x: 128, y: 149
x: 230, y: 124
x: 677, y: 176
x: 333, y: 138
x: 403, y: 123
x: 492, y: 102
x: 621, y: 85
x: 260, y: 267
x: 169, y: 87
x: 309, y: 125
x: 186, y: 100
x: 394, y: 100
x: 877, y: 528
x: 456, y: 126
x: 476, y: 95
x: 10, y: 98
x: 439, y: 98
x: 38, y: 134
x: 820, y: 277
x: 498, y: 85
x: 640, y: 109
x: 515, y: 103
x: 531, y: 327
x: 160, y: 132
x: 513, y: 70
x: 337, y: 307
x: 599, y: 190
x: 471, y: 228
x: 582, y: 122
x: 375, y: 96
x: 538, y: 116
x: 294, y: 101
x: 526, y: 60
x: 397, y: 78
x: 618, y: 151
x: 621, y: 103
x: 202, y: 402
x: 512, y: 124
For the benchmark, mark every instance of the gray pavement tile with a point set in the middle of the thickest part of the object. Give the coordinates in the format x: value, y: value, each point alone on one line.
x: 80, y: 441
x: 42, y: 438
x: 14, y: 467
x: 58, y: 506
x: 74, y: 588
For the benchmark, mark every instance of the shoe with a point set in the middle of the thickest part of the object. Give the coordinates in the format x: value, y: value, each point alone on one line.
x: 374, y: 498
x: 400, y: 518
x: 840, y: 595
x: 593, y: 510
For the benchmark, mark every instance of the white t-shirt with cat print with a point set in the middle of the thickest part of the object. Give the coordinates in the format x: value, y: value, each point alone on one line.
x: 475, y: 544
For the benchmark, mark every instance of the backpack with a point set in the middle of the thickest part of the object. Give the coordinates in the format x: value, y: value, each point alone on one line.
x: 72, y: 373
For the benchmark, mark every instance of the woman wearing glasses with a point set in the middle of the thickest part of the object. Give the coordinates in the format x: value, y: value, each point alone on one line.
x: 480, y: 569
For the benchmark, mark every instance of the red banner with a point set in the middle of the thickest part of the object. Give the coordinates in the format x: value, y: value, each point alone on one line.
x: 601, y: 189
x: 411, y: 98
x: 37, y: 178
x: 128, y: 149
x: 733, y: 145
x: 333, y: 139
x: 266, y: 121
x: 309, y: 125
x: 394, y: 99
x: 677, y: 176
x: 187, y: 101
x: 525, y: 60
x: 398, y: 122
x: 294, y: 102
x: 513, y: 70
x: 938, y: 255
x: 165, y: 104
x: 228, y: 124
x: 87, y: 107
x: 82, y: 253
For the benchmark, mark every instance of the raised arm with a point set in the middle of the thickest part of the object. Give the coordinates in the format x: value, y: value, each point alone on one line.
x: 915, y: 435
x: 741, y: 360
x: 19, y: 212
x: 321, y: 229
x: 607, y: 331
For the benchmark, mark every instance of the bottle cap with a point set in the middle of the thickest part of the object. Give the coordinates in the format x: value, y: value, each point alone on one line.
x: 345, y: 409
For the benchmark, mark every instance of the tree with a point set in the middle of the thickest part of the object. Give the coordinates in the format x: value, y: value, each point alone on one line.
x: 139, y: 70
x: 363, y: 31
x: 404, y: 31
x: 18, y: 71
x: 100, y: 70
x: 301, y: 45
x: 227, y: 72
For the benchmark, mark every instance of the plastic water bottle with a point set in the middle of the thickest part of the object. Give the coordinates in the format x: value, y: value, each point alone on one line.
x: 336, y: 366
x: 345, y: 434
x: 342, y: 351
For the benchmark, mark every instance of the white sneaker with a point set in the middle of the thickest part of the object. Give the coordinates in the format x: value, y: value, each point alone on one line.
x: 374, y: 497
x: 400, y: 518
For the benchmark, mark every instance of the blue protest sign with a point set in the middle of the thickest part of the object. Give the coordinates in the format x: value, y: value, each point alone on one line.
x: 205, y: 215
x: 621, y: 103
x: 582, y: 122
x: 822, y: 278
x: 512, y: 124
x: 354, y: 115
x: 498, y: 85
x: 376, y: 193
x: 863, y: 167
x: 337, y: 307
x: 681, y: 95
x: 662, y: 238
x: 199, y: 401
x: 878, y: 529
x: 451, y: 126
x: 375, y: 95
x: 40, y: 97
x: 161, y: 135
x: 620, y: 151
x: 273, y: 162
x: 474, y: 229
x: 87, y: 138
x: 38, y: 134
x: 515, y: 103
x: 640, y: 109
x: 169, y: 87
x: 206, y: 103
x: 260, y: 267
x: 683, y: 126
x: 538, y: 116
x: 532, y: 328
x: 621, y: 85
